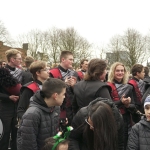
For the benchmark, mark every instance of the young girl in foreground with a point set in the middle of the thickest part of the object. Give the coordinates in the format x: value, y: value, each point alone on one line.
x: 59, y: 141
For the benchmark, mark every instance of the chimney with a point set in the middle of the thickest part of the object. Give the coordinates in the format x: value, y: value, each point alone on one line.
x: 25, y: 46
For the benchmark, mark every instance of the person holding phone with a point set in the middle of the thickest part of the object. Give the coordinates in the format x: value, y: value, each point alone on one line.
x: 121, y: 94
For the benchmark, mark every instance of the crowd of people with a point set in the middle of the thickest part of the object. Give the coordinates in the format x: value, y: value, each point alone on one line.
x: 60, y: 108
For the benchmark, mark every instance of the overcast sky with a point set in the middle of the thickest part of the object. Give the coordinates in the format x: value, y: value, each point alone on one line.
x: 95, y: 20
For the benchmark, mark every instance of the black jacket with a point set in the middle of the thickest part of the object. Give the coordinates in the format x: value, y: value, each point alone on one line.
x: 67, y: 103
x: 7, y: 106
x: 138, y: 103
x: 77, y: 136
x: 26, y: 77
x: 24, y: 100
x: 38, y: 123
x: 139, y: 138
x: 87, y: 91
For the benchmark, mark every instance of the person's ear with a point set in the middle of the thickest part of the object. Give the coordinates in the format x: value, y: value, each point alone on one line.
x: 63, y: 59
x: 54, y: 95
x: 12, y: 59
x: 37, y: 73
x: 137, y: 73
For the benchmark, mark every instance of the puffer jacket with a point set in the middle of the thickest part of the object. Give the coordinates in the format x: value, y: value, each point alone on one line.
x: 78, y: 138
x: 139, y: 138
x: 38, y: 123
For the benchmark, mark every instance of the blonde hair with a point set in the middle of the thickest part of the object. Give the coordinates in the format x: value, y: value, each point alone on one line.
x: 11, y: 53
x: 111, y: 74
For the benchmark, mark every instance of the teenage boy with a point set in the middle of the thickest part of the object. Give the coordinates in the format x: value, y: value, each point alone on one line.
x: 84, y: 67
x: 27, y: 75
x: 41, y: 120
x: 138, y: 88
x: 39, y: 73
x: 140, y: 133
x: 8, y: 101
x: 64, y: 72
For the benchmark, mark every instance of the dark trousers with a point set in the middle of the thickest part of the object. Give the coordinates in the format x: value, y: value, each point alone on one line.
x: 127, y: 126
x: 9, y: 122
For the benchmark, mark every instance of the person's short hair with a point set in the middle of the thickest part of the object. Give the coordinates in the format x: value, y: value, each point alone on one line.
x: 36, y: 67
x: 51, y: 86
x: 28, y: 60
x: 11, y: 53
x: 49, y: 143
x: 64, y: 54
x: 111, y: 74
x: 1, y: 62
x: 82, y: 62
x: 146, y: 70
x: 96, y: 68
x: 137, y: 68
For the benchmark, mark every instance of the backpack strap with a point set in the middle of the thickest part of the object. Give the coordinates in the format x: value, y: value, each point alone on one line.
x: 115, y: 95
x: 33, y: 86
x: 55, y: 73
x: 137, y: 91
x: 114, y: 92
x: 80, y: 74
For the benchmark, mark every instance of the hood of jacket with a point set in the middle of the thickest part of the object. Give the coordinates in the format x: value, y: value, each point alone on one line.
x: 145, y: 122
x: 38, y: 101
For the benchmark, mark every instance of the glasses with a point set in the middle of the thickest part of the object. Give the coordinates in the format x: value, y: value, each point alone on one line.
x: 89, y: 123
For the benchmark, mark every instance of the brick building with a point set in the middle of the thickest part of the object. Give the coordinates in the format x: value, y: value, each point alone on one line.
x: 4, y: 48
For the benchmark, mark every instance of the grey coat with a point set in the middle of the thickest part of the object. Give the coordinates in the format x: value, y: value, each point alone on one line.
x: 38, y: 123
x: 139, y: 138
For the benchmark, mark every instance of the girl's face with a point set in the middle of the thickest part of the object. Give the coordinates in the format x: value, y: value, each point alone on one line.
x: 119, y: 73
x: 63, y: 147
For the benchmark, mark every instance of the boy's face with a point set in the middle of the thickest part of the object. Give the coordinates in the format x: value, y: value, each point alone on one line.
x: 85, y: 65
x: 60, y: 97
x: 147, y: 112
x: 43, y: 74
x: 17, y: 60
x: 68, y: 61
x: 141, y: 74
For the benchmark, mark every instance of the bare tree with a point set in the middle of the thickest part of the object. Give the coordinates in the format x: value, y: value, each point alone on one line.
x: 37, y: 41
x: 135, y: 46
x: 54, y: 45
x: 115, y: 50
x: 48, y: 45
x: 148, y: 46
x: 129, y: 48
x: 72, y: 41
x: 4, y: 35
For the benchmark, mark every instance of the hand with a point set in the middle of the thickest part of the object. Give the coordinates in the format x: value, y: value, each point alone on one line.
x: 71, y: 81
x: 126, y: 101
x: 64, y: 121
x: 14, y: 98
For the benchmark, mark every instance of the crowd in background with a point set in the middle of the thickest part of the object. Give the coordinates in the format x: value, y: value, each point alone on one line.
x: 39, y: 105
